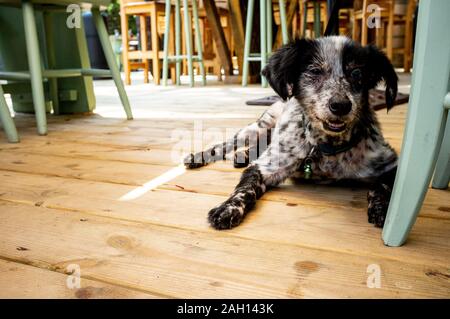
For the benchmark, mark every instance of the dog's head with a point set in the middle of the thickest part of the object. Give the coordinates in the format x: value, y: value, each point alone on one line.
x: 331, y: 78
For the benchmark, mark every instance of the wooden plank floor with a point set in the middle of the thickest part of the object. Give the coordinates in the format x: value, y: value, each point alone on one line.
x: 109, y: 196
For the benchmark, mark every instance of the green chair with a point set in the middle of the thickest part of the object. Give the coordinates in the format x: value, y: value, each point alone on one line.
x: 6, y: 120
x: 178, y: 57
x: 266, y: 36
x: 427, y: 116
x: 37, y: 73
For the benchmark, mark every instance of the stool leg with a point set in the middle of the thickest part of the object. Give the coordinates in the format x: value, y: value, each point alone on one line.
x: 111, y: 60
x: 305, y: 18
x: 126, y: 61
x: 177, y: 41
x: 263, y: 37
x: 52, y: 82
x: 424, y: 126
x: 442, y: 172
x: 248, y: 41
x: 283, y: 22
x: 34, y: 64
x: 317, y: 32
x: 269, y: 26
x: 155, y: 44
x: 188, y: 35
x: 7, y: 121
x: 198, y: 41
x: 143, y: 34
x: 166, y: 43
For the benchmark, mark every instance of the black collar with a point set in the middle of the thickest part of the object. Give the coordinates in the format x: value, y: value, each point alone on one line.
x: 328, y: 149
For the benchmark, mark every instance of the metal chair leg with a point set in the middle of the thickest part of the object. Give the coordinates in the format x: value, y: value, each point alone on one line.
x: 263, y: 37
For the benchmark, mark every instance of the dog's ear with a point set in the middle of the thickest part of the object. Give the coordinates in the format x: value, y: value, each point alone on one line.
x: 285, y: 66
x: 380, y: 68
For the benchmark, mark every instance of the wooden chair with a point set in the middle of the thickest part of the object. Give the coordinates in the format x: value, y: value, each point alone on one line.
x: 37, y: 72
x: 313, y: 17
x: 427, y: 114
x: 384, y: 35
x: 210, y: 56
x: 189, y: 56
x: 140, y: 58
x: 266, y: 13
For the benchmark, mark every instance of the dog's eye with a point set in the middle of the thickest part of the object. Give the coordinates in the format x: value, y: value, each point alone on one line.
x: 316, y: 71
x: 356, y: 74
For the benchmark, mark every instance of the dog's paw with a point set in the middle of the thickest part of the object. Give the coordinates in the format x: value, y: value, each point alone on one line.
x: 377, y: 213
x: 225, y: 216
x: 194, y: 161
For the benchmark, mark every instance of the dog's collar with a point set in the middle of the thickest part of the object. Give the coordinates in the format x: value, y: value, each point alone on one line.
x: 328, y: 149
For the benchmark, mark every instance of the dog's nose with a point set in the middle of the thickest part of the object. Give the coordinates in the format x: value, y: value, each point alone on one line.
x: 340, y: 108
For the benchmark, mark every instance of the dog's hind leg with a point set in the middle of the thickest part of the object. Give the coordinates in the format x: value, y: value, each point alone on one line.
x: 247, y: 143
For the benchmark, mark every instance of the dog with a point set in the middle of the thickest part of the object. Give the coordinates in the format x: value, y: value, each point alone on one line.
x: 323, y: 131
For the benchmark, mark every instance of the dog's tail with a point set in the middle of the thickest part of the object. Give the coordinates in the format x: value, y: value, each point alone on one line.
x: 247, y: 144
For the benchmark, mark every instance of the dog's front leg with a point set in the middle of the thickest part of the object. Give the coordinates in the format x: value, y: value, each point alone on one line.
x: 379, y: 196
x: 269, y: 170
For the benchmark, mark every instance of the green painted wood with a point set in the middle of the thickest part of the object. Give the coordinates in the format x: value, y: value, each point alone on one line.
x: 177, y: 41
x: 248, y: 41
x: 283, y: 22
x: 34, y: 62
x: 425, y: 121
x: 198, y: 41
x: 442, y: 172
x: 111, y: 60
x: 188, y: 40
x: 166, y: 43
x: 263, y: 37
x: 317, y: 25
x: 7, y: 121
x: 269, y: 15
x: 53, y: 82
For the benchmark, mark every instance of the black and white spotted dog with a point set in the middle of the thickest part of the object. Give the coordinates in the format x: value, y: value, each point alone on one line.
x: 324, y: 131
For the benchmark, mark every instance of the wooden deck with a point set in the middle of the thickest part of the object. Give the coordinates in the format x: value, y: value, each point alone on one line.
x: 104, y: 193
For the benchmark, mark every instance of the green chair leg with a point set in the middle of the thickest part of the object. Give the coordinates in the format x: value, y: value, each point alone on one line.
x: 442, y: 172
x: 198, y: 41
x: 424, y: 128
x: 111, y: 60
x: 263, y: 36
x: 34, y: 64
x: 188, y: 35
x: 269, y: 32
x: 166, y: 43
x: 317, y: 26
x: 248, y: 41
x: 7, y: 121
x: 177, y: 40
x: 283, y: 22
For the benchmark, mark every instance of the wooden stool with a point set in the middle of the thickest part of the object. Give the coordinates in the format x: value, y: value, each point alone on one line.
x: 143, y: 9
x: 210, y: 54
x: 313, y: 13
x: 265, y: 35
x: 386, y: 15
x: 189, y: 56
